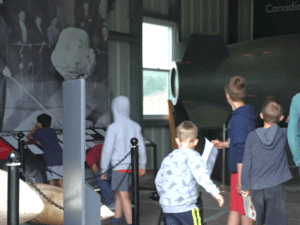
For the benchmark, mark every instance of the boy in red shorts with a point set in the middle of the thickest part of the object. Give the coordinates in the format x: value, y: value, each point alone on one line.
x: 243, y: 120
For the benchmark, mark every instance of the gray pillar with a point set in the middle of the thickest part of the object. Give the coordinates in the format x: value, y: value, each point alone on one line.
x: 136, y: 62
x: 75, y: 196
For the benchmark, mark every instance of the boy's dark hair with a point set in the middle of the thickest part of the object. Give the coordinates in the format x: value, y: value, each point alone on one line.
x: 45, y: 120
x: 272, y: 111
x: 187, y: 130
x: 236, y: 88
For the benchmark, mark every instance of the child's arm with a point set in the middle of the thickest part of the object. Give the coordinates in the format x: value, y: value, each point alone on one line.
x: 292, y: 130
x: 247, y: 162
x: 142, y: 155
x: 107, y: 149
x: 159, y: 178
x: 198, y: 169
x: 37, y: 126
x: 220, y: 144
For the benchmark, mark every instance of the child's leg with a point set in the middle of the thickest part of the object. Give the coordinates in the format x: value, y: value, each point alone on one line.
x: 246, y: 220
x: 127, y: 208
x: 52, y: 182
x: 105, y: 186
x: 276, y: 205
x: 170, y: 219
x: 259, y: 205
x: 233, y: 218
x: 118, y: 205
x: 60, y: 183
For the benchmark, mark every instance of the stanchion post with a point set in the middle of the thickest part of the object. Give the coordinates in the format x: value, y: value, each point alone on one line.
x: 223, y: 188
x: 135, y: 180
x: 21, y: 151
x: 13, y: 188
x: 223, y: 164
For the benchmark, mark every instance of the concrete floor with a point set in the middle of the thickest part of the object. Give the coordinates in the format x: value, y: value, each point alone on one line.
x: 213, y: 215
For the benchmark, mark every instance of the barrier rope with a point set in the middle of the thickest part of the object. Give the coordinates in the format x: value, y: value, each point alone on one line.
x: 111, y: 167
x: 32, y: 180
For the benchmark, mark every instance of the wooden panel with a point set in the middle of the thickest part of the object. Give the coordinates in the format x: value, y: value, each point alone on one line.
x: 124, y: 69
x: 186, y: 19
x: 147, y: 5
x: 164, y: 4
x: 172, y: 124
x: 157, y: 6
x: 112, y: 67
x: 205, y: 16
x: 221, y: 18
x: 119, y: 17
x: 119, y: 68
x: 196, y: 16
x: 123, y: 16
x: 213, y: 13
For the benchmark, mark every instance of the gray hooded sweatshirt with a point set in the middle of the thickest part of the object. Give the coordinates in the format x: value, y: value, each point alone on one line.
x: 117, y: 141
x: 265, y: 163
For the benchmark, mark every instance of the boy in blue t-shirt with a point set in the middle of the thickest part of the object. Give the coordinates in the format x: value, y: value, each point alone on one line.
x: 50, y: 146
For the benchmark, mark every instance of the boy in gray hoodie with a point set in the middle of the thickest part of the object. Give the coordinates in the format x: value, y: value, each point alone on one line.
x: 178, y: 178
x: 116, y: 146
x: 265, y: 167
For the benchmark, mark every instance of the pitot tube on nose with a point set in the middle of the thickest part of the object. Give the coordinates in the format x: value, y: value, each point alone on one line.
x: 72, y: 57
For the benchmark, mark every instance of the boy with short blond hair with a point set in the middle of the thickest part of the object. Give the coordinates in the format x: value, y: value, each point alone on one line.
x: 265, y: 167
x: 178, y: 178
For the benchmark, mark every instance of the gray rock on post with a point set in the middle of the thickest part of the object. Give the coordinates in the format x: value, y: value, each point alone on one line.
x: 72, y: 57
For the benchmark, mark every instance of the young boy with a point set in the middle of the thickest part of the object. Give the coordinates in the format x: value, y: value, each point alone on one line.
x: 178, y: 178
x: 116, y: 147
x: 265, y: 167
x: 293, y: 130
x: 50, y: 145
x: 243, y: 120
x: 93, y: 158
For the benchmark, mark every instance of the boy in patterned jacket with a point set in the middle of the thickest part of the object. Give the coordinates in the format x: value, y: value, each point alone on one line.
x: 179, y: 177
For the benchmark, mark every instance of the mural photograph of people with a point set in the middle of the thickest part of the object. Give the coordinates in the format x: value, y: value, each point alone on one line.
x: 31, y: 75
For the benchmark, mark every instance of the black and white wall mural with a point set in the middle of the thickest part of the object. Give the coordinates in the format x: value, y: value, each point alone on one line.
x: 40, y: 48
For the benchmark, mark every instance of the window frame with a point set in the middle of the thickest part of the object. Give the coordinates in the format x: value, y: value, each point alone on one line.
x: 174, y: 38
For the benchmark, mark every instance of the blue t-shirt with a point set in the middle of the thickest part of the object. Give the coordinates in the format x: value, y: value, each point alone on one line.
x: 50, y: 146
x: 243, y: 120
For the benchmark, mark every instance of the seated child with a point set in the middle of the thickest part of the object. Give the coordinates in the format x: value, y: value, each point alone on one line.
x: 93, y: 158
x: 50, y: 146
x: 116, y: 147
x: 265, y: 167
x: 178, y: 178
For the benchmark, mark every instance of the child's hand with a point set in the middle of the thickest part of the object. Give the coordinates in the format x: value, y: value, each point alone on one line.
x: 103, y: 177
x: 220, y: 199
x: 38, y: 125
x: 218, y: 144
x: 287, y: 119
x: 246, y: 193
x: 142, y: 172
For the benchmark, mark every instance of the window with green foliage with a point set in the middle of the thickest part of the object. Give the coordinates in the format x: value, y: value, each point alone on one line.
x: 157, y: 58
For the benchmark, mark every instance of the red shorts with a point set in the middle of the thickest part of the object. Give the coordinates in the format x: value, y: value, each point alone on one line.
x: 236, y: 200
